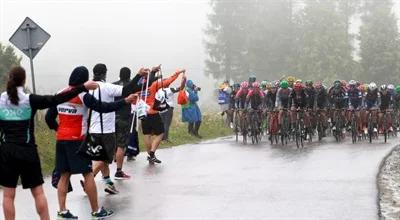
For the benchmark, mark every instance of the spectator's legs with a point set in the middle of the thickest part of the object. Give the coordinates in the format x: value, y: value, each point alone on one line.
x: 190, y: 128
x: 196, y: 129
x: 62, y: 190
x: 120, y: 157
x: 41, y: 202
x: 156, y: 142
x: 167, y: 122
x: 8, y: 203
x: 97, y: 166
x: 147, y: 142
x: 91, y: 191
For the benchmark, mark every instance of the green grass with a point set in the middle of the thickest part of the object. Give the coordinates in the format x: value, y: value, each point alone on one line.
x: 212, y: 127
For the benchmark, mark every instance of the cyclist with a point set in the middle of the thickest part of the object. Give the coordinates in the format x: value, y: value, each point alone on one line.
x: 252, y: 79
x: 385, y: 103
x: 241, y: 95
x: 270, y: 96
x: 298, y: 99
x: 337, y: 97
x: 396, y: 105
x: 235, y: 90
x: 371, y: 102
x: 354, y: 102
x: 283, y: 98
x: 310, y: 92
x: 254, y: 101
x: 321, y: 104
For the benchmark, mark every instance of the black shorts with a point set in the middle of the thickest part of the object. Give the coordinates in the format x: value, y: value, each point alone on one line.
x: 122, y: 130
x: 67, y: 160
x: 19, y: 162
x: 109, y: 143
x: 152, y: 125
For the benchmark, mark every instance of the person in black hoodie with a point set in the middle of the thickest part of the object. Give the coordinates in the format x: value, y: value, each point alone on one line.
x: 18, y: 153
x: 123, y: 120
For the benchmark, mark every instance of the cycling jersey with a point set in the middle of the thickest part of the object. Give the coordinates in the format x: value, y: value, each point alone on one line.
x: 255, y: 98
x: 322, y: 98
x: 371, y: 99
x: 310, y: 97
x: 298, y: 99
x: 270, y: 99
x: 338, y: 97
x: 241, y: 97
x: 283, y: 98
x: 385, y: 101
x: 355, y: 97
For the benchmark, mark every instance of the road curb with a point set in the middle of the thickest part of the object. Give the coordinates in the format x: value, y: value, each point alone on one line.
x: 388, y: 182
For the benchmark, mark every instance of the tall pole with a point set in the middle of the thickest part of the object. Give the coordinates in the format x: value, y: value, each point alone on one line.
x: 28, y: 32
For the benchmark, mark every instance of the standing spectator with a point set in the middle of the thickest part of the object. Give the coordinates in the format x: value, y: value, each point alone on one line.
x: 191, y: 111
x: 224, y: 92
x: 72, y: 117
x: 152, y: 123
x: 168, y: 114
x: 133, y: 146
x: 123, y: 119
x: 18, y: 154
x: 106, y: 133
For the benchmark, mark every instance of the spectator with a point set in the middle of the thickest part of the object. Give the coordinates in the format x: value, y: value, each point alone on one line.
x: 224, y: 92
x: 191, y: 111
x: 168, y: 114
x: 106, y: 135
x: 152, y: 123
x: 71, y: 131
x: 18, y: 153
x: 123, y: 120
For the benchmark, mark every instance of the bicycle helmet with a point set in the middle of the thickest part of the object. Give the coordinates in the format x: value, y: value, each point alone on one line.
x: 398, y: 88
x: 256, y: 85
x: 390, y: 87
x: 298, y: 86
x: 352, y: 83
x: 284, y: 84
x: 309, y: 83
x: 291, y: 79
x: 337, y: 83
x: 244, y: 85
x: 383, y: 87
x: 343, y: 83
x: 264, y: 84
x: 252, y: 79
x: 299, y: 81
x: 372, y: 86
x: 275, y: 84
x: 268, y: 86
x: 236, y: 85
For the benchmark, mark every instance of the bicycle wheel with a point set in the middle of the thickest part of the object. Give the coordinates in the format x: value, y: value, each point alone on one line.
x: 237, y: 124
x: 354, y: 128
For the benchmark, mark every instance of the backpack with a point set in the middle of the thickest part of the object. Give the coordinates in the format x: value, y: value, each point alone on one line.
x: 160, y: 102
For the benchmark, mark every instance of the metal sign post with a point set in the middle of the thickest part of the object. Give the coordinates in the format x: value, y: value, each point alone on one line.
x: 30, y: 38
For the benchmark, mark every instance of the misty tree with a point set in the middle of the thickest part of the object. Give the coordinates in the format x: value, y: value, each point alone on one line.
x: 226, y: 43
x: 8, y: 59
x: 379, y: 42
x: 323, y: 49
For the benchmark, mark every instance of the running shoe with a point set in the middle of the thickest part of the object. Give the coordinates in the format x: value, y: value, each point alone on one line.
x: 121, y: 175
x: 153, y: 159
x: 102, y: 214
x: 110, y: 188
x: 66, y: 215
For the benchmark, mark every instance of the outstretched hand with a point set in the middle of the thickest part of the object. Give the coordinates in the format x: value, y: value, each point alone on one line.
x: 143, y: 71
x: 131, y: 98
x: 91, y: 85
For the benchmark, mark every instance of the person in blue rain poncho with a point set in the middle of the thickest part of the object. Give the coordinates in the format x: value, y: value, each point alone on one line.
x: 191, y: 112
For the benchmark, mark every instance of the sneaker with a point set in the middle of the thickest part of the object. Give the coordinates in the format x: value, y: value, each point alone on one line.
x: 66, y: 215
x: 110, y: 188
x: 334, y: 128
x: 153, y: 159
x: 102, y: 214
x: 121, y: 175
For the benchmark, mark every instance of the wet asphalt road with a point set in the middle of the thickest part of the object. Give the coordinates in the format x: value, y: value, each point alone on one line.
x: 224, y: 180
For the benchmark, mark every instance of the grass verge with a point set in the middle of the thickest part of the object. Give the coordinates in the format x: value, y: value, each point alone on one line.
x: 212, y: 127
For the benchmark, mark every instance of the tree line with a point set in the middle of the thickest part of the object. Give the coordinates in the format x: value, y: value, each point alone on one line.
x: 311, y: 39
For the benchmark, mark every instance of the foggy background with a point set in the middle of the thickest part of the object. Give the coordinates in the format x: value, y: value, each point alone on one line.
x: 132, y: 33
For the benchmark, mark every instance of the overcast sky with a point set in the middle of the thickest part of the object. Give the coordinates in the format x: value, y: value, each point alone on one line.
x: 131, y: 33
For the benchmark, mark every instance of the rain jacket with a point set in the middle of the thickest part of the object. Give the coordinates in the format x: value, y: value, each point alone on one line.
x: 191, y: 111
